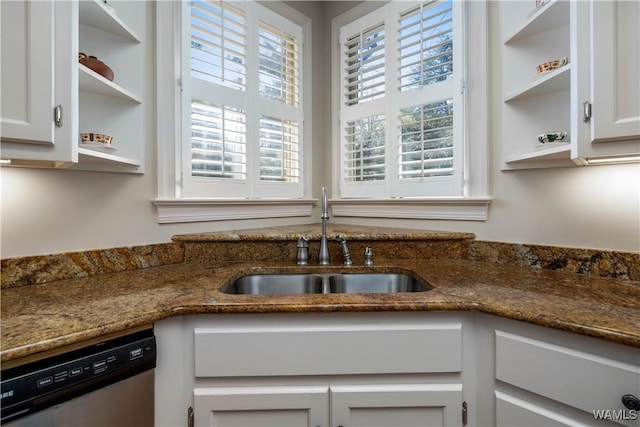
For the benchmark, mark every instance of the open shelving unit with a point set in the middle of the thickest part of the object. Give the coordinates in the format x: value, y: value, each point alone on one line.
x: 535, y: 103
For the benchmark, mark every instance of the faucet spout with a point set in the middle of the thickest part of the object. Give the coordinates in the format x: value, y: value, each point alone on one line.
x: 323, y: 255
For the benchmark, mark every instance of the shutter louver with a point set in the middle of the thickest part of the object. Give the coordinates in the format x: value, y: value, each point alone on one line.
x: 365, y: 149
x: 425, y: 40
x: 279, y: 65
x: 279, y: 150
x: 426, y: 140
x: 218, y: 44
x: 364, y: 66
x: 218, y: 141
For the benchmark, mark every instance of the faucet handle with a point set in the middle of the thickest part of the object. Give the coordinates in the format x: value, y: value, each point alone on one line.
x: 303, y: 251
x: 368, y: 256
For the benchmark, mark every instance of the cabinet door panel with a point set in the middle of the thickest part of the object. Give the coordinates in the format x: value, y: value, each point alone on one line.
x: 27, y: 71
x: 261, y: 406
x: 302, y: 350
x: 581, y: 380
x: 615, y: 62
x: 514, y: 412
x: 396, y: 405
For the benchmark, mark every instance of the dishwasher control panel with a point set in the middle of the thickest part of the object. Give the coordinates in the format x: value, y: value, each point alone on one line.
x: 28, y: 388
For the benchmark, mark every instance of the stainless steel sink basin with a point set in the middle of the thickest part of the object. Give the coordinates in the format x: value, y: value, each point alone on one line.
x: 273, y: 284
x: 363, y: 283
x: 375, y: 283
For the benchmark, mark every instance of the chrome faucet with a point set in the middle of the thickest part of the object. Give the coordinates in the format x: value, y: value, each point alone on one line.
x: 303, y: 251
x: 323, y: 255
x: 345, y: 250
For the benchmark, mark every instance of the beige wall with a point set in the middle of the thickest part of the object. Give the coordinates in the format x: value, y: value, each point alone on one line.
x: 51, y: 211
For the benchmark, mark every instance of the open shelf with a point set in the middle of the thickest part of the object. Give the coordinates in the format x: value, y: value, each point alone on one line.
x: 96, y: 14
x: 550, y: 16
x: 93, y: 82
x: 553, y: 81
x: 552, y: 153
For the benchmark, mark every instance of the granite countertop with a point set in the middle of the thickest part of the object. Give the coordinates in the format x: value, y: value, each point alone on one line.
x: 42, y: 317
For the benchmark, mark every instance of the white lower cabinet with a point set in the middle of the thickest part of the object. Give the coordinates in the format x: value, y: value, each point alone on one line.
x: 388, y: 370
x: 266, y: 406
x: 545, y: 379
x: 361, y: 405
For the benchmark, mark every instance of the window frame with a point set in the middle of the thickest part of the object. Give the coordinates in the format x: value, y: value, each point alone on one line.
x: 171, y: 204
x: 473, y: 202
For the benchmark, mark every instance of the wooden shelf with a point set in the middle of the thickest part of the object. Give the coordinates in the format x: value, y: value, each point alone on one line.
x: 93, y: 82
x: 553, y: 153
x: 87, y: 155
x: 96, y: 14
x: 553, y: 81
x: 553, y: 15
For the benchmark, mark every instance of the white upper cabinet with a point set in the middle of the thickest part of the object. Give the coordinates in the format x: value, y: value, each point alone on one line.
x: 599, y: 43
x: 42, y: 78
x: 608, y: 79
x: 36, y: 120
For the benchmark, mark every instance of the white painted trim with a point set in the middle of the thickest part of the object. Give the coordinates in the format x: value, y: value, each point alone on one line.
x: 463, y: 209
x: 195, y: 210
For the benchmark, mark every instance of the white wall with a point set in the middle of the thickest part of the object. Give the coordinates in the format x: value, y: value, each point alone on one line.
x: 52, y: 211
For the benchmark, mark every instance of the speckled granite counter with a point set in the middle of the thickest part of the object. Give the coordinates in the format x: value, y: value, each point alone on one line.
x: 46, y: 316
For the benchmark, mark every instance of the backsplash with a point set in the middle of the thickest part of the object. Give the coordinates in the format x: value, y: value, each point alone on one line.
x: 619, y: 265
x: 40, y: 269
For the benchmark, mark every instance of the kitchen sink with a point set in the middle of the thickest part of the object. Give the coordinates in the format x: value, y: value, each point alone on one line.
x: 376, y: 283
x: 273, y: 284
x: 362, y: 283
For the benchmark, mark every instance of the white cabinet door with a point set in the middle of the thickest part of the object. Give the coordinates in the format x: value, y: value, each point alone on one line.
x: 37, y: 77
x: 401, y: 405
x: 607, y: 40
x: 275, y: 406
x: 615, y: 63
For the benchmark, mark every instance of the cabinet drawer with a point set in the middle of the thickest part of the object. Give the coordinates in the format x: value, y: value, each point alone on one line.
x: 327, y: 350
x: 576, y: 378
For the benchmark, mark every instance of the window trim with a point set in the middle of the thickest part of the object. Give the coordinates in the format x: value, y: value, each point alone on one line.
x: 474, y: 203
x: 171, y: 206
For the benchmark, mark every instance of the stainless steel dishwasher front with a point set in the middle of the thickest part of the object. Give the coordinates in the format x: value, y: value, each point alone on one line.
x: 103, y: 385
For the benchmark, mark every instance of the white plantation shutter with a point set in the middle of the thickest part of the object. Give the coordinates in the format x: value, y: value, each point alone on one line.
x: 365, y: 66
x: 218, y: 141
x: 416, y: 146
x: 426, y: 141
x: 425, y: 38
x: 279, y: 150
x: 218, y: 44
x: 245, y: 102
x: 279, y: 65
x: 365, y: 150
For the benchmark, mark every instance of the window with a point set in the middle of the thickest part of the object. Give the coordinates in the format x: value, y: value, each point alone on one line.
x: 244, y: 114
x: 411, y: 75
x: 239, y: 84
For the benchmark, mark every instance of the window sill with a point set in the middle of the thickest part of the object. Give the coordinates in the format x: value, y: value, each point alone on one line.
x: 196, y: 210
x: 452, y: 208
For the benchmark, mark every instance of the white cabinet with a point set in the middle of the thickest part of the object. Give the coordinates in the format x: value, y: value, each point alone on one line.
x: 362, y: 405
x: 37, y: 48
x: 600, y: 41
x: 272, y: 406
x: 41, y: 73
x: 398, y: 405
x: 338, y: 369
x: 543, y: 381
x: 608, y: 57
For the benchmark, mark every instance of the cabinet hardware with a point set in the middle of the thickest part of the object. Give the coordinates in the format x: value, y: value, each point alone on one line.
x: 464, y: 413
x: 631, y: 402
x: 586, y: 111
x: 190, y: 417
x: 57, y: 116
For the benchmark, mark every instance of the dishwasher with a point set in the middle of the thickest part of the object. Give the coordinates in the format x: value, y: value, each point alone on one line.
x: 110, y: 383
